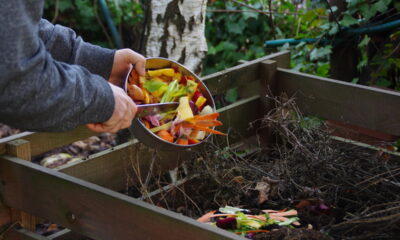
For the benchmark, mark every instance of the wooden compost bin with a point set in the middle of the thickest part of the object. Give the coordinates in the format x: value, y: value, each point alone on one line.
x: 83, y: 196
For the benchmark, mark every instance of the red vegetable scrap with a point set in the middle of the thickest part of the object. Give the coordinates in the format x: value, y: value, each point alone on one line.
x: 193, y: 119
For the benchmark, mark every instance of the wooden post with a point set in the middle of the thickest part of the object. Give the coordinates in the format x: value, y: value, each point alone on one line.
x: 267, y: 90
x: 21, y: 148
x: 344, y: 57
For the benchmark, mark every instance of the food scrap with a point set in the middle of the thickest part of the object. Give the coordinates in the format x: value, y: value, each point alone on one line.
x: 194, y: 117
x: 243, y: 222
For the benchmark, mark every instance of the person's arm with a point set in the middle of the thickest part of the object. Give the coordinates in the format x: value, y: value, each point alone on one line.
x: 65, y: 46
x: 37, y: 92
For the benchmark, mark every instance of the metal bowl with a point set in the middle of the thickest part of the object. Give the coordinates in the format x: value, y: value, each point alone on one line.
x: 143, y: 134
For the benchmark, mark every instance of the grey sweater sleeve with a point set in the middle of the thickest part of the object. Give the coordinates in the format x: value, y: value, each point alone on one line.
x: 64, y: 45
x: 37, y: 92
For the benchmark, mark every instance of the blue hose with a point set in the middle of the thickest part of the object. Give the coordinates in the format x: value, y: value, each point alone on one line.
x: 347, y: 32
x: 113, y: 30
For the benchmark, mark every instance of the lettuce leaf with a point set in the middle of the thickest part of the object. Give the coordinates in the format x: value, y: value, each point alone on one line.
x: 153, y: 86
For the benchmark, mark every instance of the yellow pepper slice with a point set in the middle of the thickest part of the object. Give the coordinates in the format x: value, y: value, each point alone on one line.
x: 169, y: 72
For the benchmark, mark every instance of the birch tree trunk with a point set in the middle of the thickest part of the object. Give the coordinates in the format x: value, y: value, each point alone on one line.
x: 175, y: 30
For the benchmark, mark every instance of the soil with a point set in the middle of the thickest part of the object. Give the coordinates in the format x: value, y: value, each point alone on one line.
x: 292, y: 234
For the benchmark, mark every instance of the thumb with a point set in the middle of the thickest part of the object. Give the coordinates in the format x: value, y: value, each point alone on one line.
x: 139, y: 62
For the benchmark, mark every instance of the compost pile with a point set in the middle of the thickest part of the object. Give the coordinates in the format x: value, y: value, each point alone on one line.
x: 339, y: 191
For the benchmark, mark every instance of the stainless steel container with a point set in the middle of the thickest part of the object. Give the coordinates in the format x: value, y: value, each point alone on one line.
x: 143, y: 134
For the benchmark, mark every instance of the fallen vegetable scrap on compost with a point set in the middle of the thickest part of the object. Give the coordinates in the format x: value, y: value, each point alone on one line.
x: 244, y: 223
x: 193, y: 119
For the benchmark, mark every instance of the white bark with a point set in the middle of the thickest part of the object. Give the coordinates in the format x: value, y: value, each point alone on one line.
x: 176, y: 31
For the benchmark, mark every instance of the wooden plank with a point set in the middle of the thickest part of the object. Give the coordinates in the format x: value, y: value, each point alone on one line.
x: 267, y: 89
x: 114, y: 168
x: 23, y: 234
x: 236, y: 117
x: 372, y: 149
x: 21, y: 148
x: 43, y: 142
x: 368, y: 107
x: 242, y: 74
x: 107, y: 168
x: 66, y: 234
x: 92, y: 210
x: 5, y: 215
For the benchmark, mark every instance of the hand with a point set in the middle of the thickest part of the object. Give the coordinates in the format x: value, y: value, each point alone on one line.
x: 124, y: 112
x: 123, y: 58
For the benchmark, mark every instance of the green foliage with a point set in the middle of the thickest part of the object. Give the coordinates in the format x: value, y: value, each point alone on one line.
x: 85, y: 17
x: 240, y: 34
x: 231, y: 36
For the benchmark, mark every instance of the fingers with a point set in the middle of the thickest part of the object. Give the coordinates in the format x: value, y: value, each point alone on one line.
x: 123, y: 114
x: 139, y: 64
x: 135, y: 58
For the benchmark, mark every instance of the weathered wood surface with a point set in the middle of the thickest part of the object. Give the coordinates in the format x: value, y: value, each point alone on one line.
x: 22, y: 234
x: 43, y: 142
x: 108, y: 168
x: 21, y: 148
x: 368, y: 107
x: 242, y: 74
x: 238, y: 116
x: 91, y: 210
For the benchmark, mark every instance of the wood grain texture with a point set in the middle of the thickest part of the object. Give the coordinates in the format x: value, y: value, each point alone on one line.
x: 368, y: 107
x: 237, y: 117
x: 23, y: 234
x: 43, y: 142
x: 92, y: 210
x: 21, y: 148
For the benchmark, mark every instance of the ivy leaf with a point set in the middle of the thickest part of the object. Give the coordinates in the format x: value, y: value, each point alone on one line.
x: 348, y: 20
x: 325, y: 26
x: 334, y: 29
x: 318, y: 53
x: 225, y: 46
x: 381, y: 6
x: 362, y: 63
x: 211, y: 50
x: 235, y: 27
x: 366, y: 11
x: 247, y: 15
x: 231, y: 95
x: 364, y: 42
x: 323, y: 70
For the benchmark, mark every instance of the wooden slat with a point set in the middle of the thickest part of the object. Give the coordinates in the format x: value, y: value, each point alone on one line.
x: 66, y: 234
x: 107, y: 168
x: 113, y: 168
x: 236, y: 117
x: 242, y: 74
x: 21, y: 148
x: 92, y: 210
x: 267, y: 87
x: 43, y: 142
x: 23, y: 234
x: 368, y: 107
